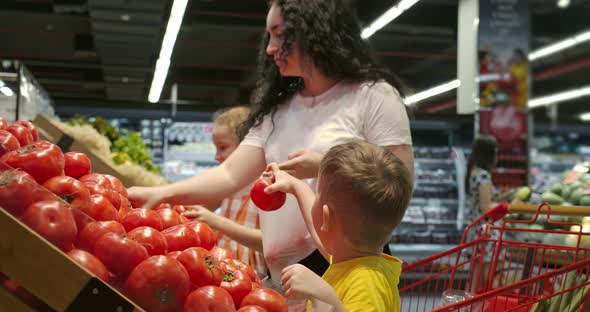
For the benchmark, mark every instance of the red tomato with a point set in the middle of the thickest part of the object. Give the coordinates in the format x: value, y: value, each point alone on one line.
x: 163, y: 206
x: 100, y: 209
x: 174, y: 254
x: 256, y: 285
x: 220, y: 253
x: 110, y: 194
x: 153, y: 241
x: 31, y: 127
x: 3, y: 124
x: 207, y: 237
x: 117, y: 185
x: 238, y: 285
x: 266, y: 298
x: 54, y: 221
x: 94, y: 230
x: 76, y: 164
x: 9, y: 140
x: 90, y: 263
x: 119, y: 253
x: 42, y: 160
x: 125, y: 207
x: 242, y: 266
x: 252, y: 308
x: 70, y: 190
x: 159, y: 283
x: 266, y: 202
x: 179, y: 208
x: 202, y: 268
x: 18, y: 190
x: 169, y: 217
x: 209, y: 299
x: 22, y: 134
x: 184, y: 220
x: 97, y: 178
x: 180, y: 237
x: 142, y: 217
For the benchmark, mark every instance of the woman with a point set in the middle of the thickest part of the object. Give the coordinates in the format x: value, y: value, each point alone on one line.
x: 482, y: 195
x: 318, y: 86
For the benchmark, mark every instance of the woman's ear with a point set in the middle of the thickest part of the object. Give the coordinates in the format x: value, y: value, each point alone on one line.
x: 325, y: 218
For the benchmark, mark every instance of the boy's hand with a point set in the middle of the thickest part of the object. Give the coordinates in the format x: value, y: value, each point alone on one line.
x: 300, y: 283
x: 302, y: 164
x: 283, y: 182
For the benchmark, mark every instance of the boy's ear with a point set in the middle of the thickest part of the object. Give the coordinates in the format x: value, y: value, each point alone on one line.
x: 325, y: 218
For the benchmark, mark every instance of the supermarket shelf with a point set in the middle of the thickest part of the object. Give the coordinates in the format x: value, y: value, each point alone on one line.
x: 434, y: 161
x: 419, y: 248
x: 430, y: 221
x: 509, y: 171
x: 417, y: 200
x: 442, y: 182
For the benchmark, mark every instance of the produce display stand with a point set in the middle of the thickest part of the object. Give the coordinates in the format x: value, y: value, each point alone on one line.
x: 50, y: 275
x: 503, y: 273
x: 50, y: 132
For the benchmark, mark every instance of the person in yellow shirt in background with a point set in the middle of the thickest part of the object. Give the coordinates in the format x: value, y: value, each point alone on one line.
x: 363, y: 192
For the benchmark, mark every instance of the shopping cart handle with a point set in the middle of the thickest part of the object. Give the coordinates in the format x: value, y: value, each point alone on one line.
x: 498, y: 212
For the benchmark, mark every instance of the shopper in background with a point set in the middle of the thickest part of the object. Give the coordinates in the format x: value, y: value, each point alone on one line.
x: 363, y: 193
x: 238, y: 216
x: 482, y: 195
x: 318, y: 86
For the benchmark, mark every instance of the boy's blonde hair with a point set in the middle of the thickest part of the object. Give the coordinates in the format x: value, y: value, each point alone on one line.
x: 367, y: 189
x: 233, y: 118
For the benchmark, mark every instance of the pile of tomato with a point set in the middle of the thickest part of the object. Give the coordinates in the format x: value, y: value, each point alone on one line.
x: 160, y: 259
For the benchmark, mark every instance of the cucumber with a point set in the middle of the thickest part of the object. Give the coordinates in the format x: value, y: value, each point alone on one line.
x: 585, y: 200
x: 557, y: 302
x: 552, y: 199
x: 556, y: 189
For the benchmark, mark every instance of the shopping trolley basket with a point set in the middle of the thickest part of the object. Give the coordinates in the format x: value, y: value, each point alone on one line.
x: 495, y: 269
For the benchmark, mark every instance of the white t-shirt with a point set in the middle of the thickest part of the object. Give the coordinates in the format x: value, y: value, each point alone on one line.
x: 347, y: 111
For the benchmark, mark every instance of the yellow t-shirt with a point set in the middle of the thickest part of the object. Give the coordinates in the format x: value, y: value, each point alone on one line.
x: 367, y: 284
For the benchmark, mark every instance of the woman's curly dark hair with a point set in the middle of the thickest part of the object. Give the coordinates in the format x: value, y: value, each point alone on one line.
x: 329, y: 36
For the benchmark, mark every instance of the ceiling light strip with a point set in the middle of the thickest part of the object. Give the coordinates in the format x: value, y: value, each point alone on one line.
x: 387, y: 17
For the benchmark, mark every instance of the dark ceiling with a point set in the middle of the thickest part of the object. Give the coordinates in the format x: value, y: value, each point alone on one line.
x: 101, y: 53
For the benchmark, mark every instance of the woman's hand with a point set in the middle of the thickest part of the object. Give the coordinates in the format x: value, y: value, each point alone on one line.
x: 145, y: 197
x: 302, y: 164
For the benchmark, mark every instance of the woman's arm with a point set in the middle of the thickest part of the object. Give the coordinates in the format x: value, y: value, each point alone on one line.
x: 249, y: 237
x: 485, y: 197
x: 242, y: 167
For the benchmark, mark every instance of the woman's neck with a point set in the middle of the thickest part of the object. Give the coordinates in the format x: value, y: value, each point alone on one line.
x: 316, y: 83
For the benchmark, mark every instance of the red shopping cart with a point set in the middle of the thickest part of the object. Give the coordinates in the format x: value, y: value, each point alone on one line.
x: 505, y: 264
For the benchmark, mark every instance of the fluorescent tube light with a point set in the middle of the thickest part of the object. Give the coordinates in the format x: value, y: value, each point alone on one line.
x: 163, y: 62
x: 432, y: 92
x: 6, y: 91
x: 559, y: 97
x: 387, y: 17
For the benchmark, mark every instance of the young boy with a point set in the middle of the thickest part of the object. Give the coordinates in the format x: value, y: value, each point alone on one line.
x: 362, y: 194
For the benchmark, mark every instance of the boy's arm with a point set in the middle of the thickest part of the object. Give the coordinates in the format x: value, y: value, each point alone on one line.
x: 249, y: 237
x: 284, y: 182
x: 300, y: 282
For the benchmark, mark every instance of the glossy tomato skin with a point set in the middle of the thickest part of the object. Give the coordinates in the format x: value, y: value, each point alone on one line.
x: 202, y: 268
x: 100, y: 209
x: 207, y: 238
x: 97, y: 178
x: 76, y: 164
x: 141, y: 217
x: 42, y: 160
x: 116, y: 184
x: 180, y: 237
x: 69, y: 189
x: 3, y: 124
x: 153, y: 241
x: 110, y: 194
x: 210, y: 299
x: 22, y: 134
x: 264, y: 201
x: 159, y: 283
x: 54, y: 221
x: 174, y: 254
x: 220, y: 253
x: 169, y: 217
x: 252, y: 308
x: 238, y: 285
x: 267, y: 298
x: 119, y: 253
x: 29, y: 125
x: 242, y: 266
x: 9, y: 140
x: 90, y: 263
x: 18, y: 190
x: 94, y: 230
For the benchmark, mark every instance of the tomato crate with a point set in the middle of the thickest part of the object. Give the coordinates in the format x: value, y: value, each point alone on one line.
x: 491, y: 270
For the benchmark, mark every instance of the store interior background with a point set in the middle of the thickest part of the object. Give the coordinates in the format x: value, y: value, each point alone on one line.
x: 97, y: 58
